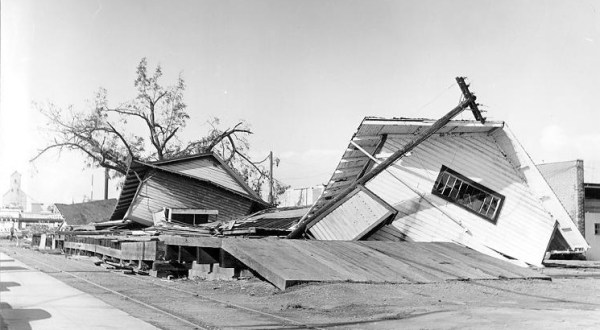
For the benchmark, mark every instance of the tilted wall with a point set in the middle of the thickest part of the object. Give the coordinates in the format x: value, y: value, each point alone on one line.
x: 208, y: 169
x: 162, y: 189
x: 523, y: 227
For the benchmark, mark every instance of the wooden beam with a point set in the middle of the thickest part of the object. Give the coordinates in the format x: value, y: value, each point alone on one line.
x: 369, y: 164
x: 200, y: 241
x: 193, y: 211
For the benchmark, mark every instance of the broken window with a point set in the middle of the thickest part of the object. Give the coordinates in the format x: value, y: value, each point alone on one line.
x: 190, y: 216
x: 466, y: 193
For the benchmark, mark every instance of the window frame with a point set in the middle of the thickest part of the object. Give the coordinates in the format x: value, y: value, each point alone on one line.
x: 493, y: 219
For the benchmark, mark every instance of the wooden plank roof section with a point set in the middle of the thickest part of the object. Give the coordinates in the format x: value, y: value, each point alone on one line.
x: 288, y: 262
x: 85, y: 213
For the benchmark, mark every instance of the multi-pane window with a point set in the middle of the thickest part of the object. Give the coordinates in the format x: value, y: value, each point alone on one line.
x: 597, y: 228
x: 468, y: 194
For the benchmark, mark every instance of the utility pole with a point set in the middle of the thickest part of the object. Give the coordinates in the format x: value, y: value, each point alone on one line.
x: 271, y: 177
x: 92, y: 190
x: 469, y: 96
x: 106, y: 183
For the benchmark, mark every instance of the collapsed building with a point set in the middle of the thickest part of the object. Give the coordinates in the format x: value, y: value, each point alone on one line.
x: 411, y: 201
x: 190, y: 190
x: 468, y: 182
x: 471, y: 183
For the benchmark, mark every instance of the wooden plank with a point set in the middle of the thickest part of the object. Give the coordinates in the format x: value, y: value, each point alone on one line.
x: 353, y: 152
x: 477, y: 270
x: 404, y: 252
x: 279, y: 264
x: 287, y: 262
x: 199, y: 241
x: 380, y: 267
x: 449, y: 264
x: 326, y: 257
x: 138, y: 250
x: 345, y: 173
x: 110, y: 252
x: 352, y: 163
x: 491, y: 264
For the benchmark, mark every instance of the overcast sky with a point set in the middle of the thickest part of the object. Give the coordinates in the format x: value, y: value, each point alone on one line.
x: 302, y: 73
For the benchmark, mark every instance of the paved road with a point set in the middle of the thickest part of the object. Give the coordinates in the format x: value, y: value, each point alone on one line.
x: 30, y: 299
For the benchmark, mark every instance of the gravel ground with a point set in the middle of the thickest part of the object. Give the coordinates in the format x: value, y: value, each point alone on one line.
x: 571, y: 299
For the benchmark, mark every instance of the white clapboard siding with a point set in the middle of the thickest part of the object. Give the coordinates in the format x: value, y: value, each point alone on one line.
x: 523, y: 227
x: 540, y: 187
x: 351, y: 220
x: 206, y: 169
x: 163, y: 189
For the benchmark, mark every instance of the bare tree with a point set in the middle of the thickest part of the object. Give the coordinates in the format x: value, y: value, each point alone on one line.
x: 104, y: 137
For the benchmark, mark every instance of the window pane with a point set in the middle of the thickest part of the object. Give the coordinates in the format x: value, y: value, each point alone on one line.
x: 492, y: 211
x: 456, y: 189
x: 486, y: 204
x: 477, y: 201
x: 468, y: 194
x: 441, y: 182
x: 448, y: 187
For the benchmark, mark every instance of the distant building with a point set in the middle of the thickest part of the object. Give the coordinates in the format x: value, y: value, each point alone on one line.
x: 566, y: 180
x: 300, y: 196
x: 581, y: 200
x: 592, y: 219
x: 15, y: 198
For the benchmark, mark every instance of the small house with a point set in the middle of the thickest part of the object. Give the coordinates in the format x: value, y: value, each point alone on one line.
x: 190, y: 190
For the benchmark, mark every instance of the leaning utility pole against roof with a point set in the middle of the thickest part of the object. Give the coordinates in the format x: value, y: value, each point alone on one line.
x: 448, y: 181
x: 469, y: 101
x: 468, y: 95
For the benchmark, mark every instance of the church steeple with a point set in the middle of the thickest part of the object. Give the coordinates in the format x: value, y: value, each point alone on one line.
x: 15, y: 182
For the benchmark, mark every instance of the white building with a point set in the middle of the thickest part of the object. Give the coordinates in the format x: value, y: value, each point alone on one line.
x: 15, y: 198
x: 468, y: 183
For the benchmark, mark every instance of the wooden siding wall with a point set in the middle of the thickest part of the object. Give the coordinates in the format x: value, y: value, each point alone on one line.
x: 208, y: 169
x: 523, y: 228
x: 169, y: 190
x: 540, y: 187
x: 354, y: 218
x: 566, y: 181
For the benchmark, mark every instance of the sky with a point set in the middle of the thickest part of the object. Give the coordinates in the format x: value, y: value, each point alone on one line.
x: 303, y: 74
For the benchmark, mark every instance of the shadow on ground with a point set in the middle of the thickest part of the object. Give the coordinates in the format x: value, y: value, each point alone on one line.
x: 19, y: 319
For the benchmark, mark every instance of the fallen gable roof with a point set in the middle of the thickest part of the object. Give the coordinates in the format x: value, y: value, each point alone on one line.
x: 370, y: 136
x: 203, y: 167
x: 357, y: 165
x: 85, y: 213
x: 137, y: 171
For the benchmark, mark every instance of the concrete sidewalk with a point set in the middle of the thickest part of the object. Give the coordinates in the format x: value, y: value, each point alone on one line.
x: 30, y: 299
